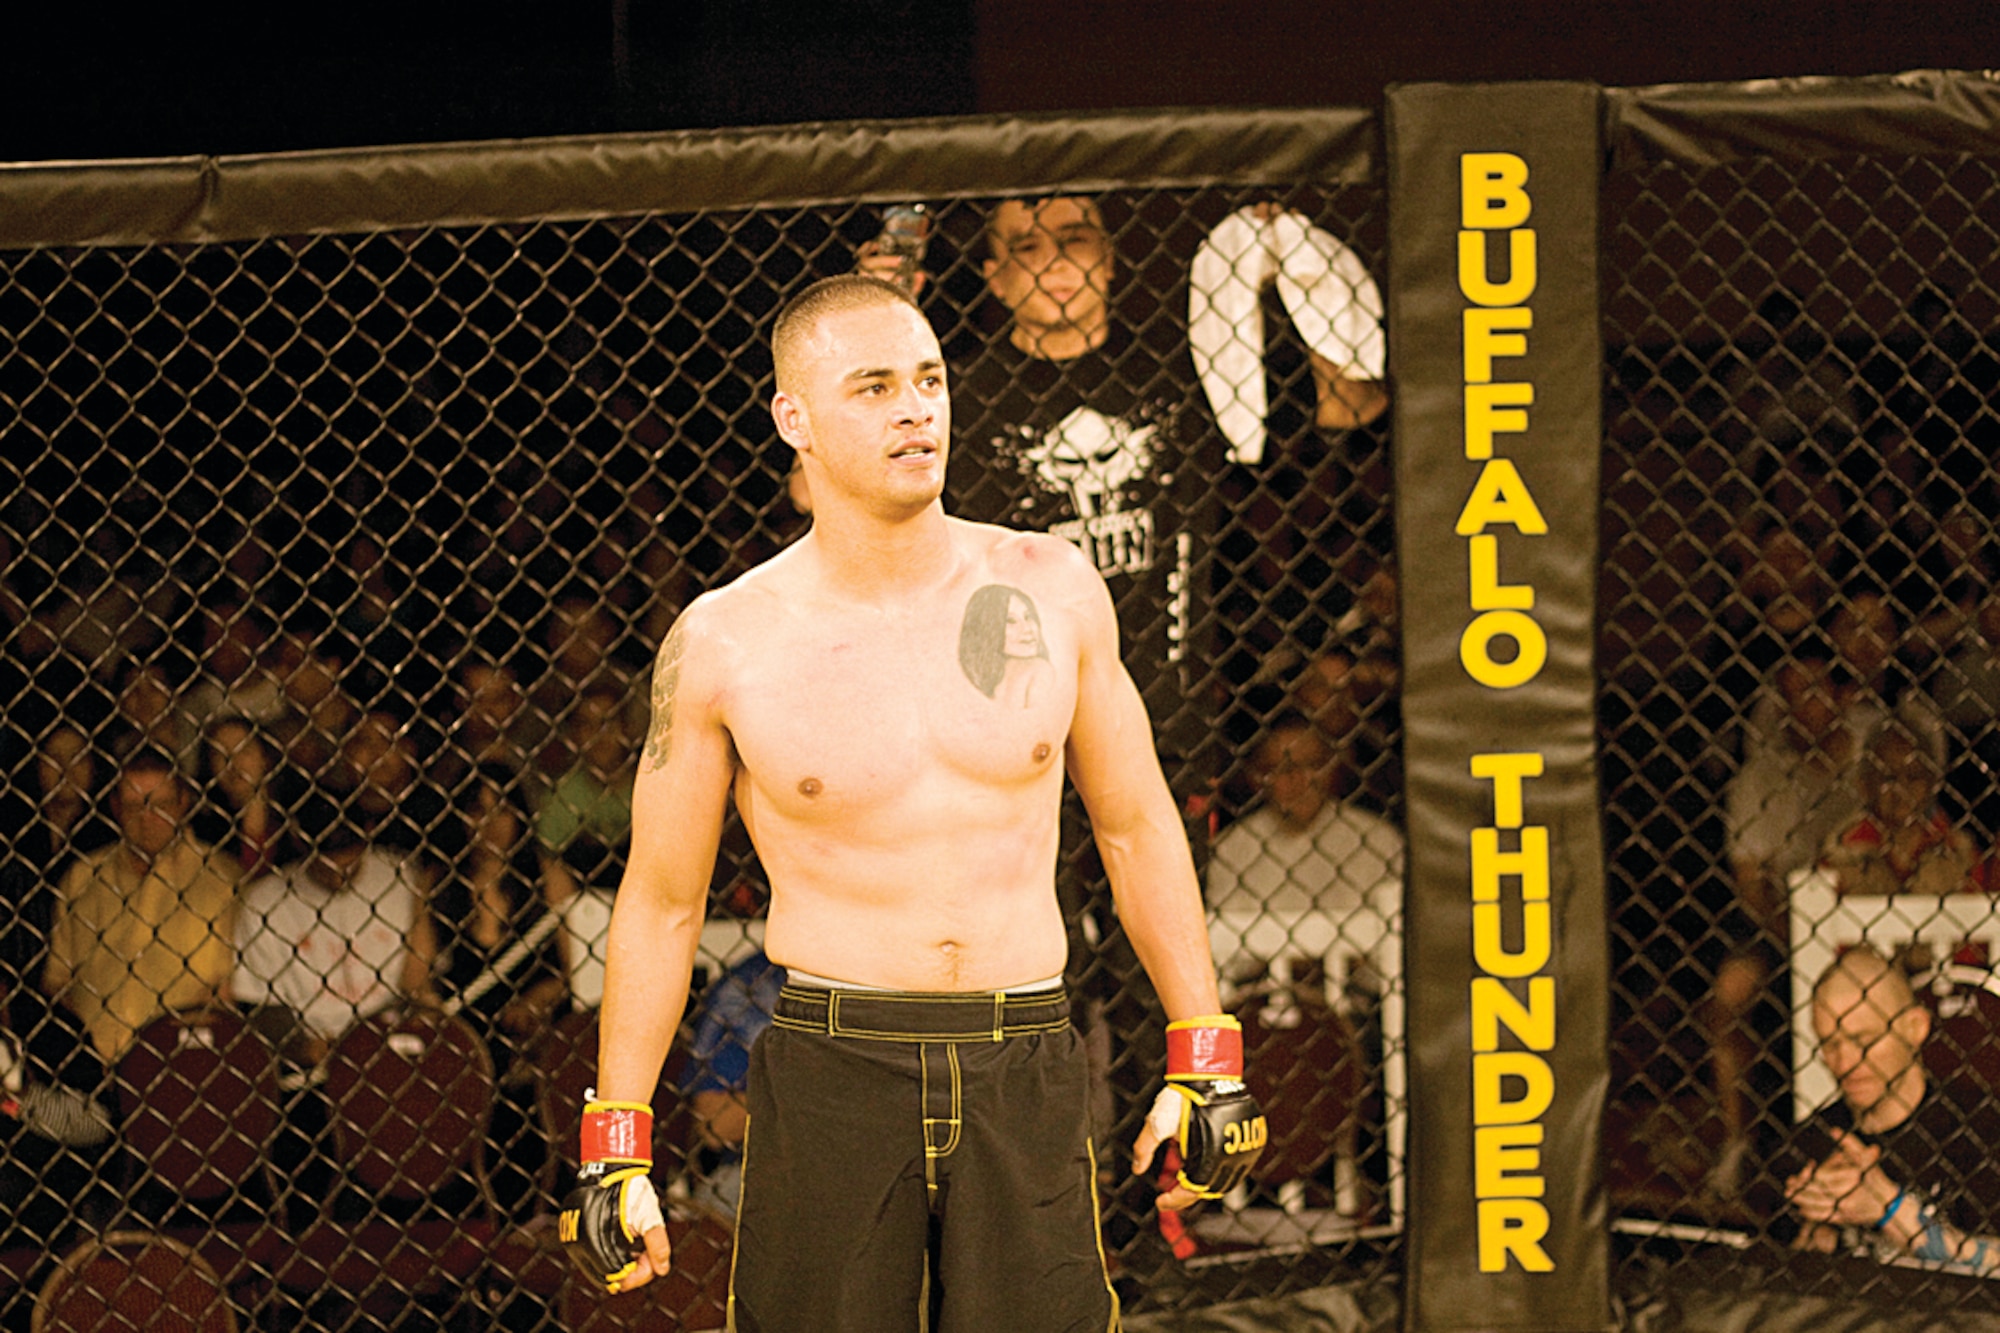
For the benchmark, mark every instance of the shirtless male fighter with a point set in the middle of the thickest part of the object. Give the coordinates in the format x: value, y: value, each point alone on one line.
x: 918, y: 1130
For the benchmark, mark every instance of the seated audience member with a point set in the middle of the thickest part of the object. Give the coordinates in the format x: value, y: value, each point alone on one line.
x: 734, y: 1013
x: 1902, y: 1165
x: 1866, y: 631
x: 1798, y: 784
x: 586, y: 819
x: 1301, y: 848
x: 494, y: 723
x: 62, y: 777
x: 381, y: 780
x: 1901, y: 841
x: 145, y: 925
x: 585, y: 647
x: 243, y: 775
x: 1781, y: 591
x: 333, y: 936
x: 236, y: 677
x: 498, y: 958
x: 1799, y: 780
x: 319, y: 711
x: 152, y: 712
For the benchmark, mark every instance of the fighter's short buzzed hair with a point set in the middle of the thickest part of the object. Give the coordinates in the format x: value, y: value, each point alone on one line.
x: 846, y: 291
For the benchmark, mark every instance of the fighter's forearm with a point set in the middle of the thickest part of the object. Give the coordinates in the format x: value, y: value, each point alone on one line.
x: 1159, y: 903
x: 649, y: 963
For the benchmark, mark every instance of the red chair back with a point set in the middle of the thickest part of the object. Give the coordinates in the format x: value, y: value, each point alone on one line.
x: 132, y: 1280
x: 1964, y: 1000
x: 1303, y: 1064
x: 199, y: 1099
x: 410, y: 1093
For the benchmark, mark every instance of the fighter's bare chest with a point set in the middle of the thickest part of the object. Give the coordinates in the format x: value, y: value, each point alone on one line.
x: 857, y: 716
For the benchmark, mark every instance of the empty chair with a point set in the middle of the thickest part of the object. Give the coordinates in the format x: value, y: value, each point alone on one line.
x: 199, y: 1107
x: 129, y: 1282
x: 408, y: 1095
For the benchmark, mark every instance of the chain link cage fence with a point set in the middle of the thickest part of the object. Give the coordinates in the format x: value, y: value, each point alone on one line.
x: 336, y: 556
x: 1798, y: 627
x: 336, y: 561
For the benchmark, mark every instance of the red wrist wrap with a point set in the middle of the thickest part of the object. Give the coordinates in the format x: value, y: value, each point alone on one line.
x: 1204, y: 1050
x: 618, y: 1134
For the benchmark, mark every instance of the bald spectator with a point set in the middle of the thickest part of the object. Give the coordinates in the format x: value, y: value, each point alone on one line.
x: 1902, y: 1165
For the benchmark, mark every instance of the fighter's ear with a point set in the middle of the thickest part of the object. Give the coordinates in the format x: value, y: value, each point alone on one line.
x: 789, y: 414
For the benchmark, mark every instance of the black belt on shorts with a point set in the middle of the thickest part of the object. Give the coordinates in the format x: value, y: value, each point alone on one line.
x: 887, y: 1015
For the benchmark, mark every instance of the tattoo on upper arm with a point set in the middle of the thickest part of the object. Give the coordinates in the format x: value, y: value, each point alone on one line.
x: 1001, y: 647
x: 666, y: 679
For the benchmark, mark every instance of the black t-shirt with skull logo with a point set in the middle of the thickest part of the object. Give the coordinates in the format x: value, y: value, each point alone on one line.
x: 1111, y: 451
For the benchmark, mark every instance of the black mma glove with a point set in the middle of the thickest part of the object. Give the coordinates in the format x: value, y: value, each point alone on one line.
x: 1205, y: 1110
x: 613, y: 1204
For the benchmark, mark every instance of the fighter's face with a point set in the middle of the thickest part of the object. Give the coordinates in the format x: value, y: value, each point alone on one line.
x: 870, y: 407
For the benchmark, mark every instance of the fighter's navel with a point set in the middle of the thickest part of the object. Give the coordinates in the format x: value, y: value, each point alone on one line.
x: 810, y: 787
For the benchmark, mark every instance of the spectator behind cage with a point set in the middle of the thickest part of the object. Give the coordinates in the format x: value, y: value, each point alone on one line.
x: 1901, y: 841
x: 146, y: 924
x: 1902, y: 1165
x: 333, y: 936
x: 586, y: 820
x: 63, y: 776
x: 499, y: 961
x: 248, y: 788
x: 735, y: 1010
x: 1301, y: 849
x: 1799, y: 780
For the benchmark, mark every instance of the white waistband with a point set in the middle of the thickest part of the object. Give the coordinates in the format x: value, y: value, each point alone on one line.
x: 797, y: 978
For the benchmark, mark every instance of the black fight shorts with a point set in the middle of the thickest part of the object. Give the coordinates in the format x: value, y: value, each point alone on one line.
x: 913, y: 1152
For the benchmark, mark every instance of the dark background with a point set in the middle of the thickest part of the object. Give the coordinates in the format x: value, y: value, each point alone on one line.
x: 79, y: 80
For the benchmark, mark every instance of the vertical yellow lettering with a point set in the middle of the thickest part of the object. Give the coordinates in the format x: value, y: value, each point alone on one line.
x: 1534, y: 1023
x: 1494, y: 409
x: 1502, y: 1157
x: 1489, y: 1101
x: 1484, y: 339
x: 1531, y: 863
x: 1488, y: 593
x: 1475, y: 280
x: 1475, y: 649
x: 1507, y: 773
x: 1513, y: 1227
x: 1500, y: 496
x: 1492, y: 190
x: 1491, y: 954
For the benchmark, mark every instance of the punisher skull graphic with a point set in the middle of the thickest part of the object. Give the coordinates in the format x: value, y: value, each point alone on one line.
x: 1091, y: 457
